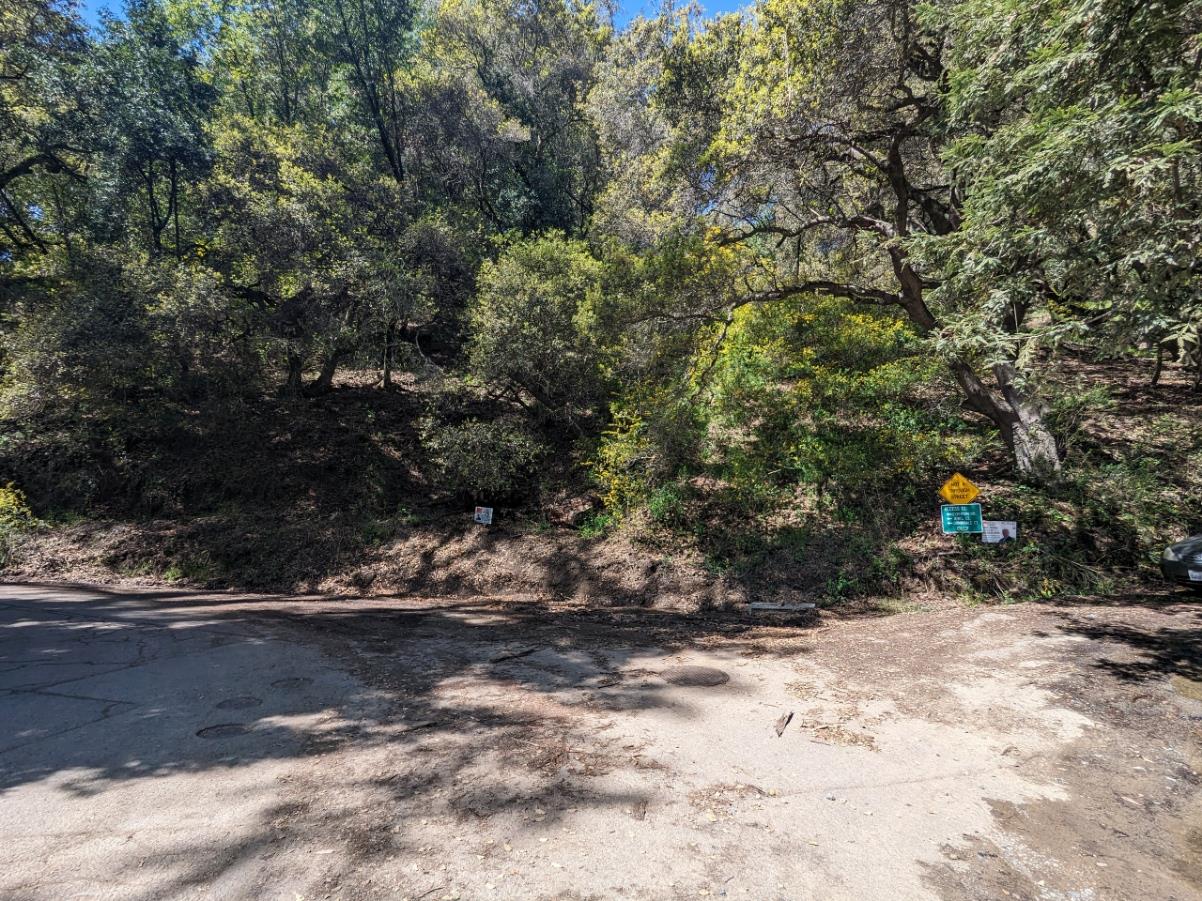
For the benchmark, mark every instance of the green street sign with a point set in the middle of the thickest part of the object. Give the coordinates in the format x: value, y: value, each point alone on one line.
x: 959, y: 518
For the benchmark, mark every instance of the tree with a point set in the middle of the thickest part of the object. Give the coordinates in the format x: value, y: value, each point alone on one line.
x: 439, y: 269
x: 154, y: 108
x: 635, y: 207
x: 42, y: 45
x: 1078, y: 152
x: 810, y: 134
x: 373, y: 41
x: 265, y: 57
x: 531, y: 325
x: 514, y: 77
x: 308, y: 236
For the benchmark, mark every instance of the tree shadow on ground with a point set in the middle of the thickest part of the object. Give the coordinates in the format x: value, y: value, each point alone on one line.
x: 106, y: 689
x: 1143, y: 649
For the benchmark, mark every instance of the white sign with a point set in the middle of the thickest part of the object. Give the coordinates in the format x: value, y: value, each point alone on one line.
x: 484, y: 516
x: 998, y: 531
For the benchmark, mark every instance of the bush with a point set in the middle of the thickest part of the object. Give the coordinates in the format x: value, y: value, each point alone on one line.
x: 531, y: 324
x: 598, y: 525
x: 483, y: 459
x: 797, y: 447
x: 666, y: 505
x: 652, y: 438
x: 87, y: 347
x: 119, y: 331
x: 15, y: 520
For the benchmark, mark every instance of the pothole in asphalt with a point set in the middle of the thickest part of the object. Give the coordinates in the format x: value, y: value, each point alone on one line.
x: 239, y: 703
x: 706, y: 676
x: 223, y: 730
x: 294, y: 682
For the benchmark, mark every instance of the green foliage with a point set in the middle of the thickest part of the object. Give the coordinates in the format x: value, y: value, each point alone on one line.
x: 515, y: 74
x: 532, y: 324
x: 154, y: 106
x: 86, y: 345
x: 995, y: 202
x: 598, y: 525
x: 115, y: 331
x: 1072, y: 407
x: 43, y: 117
x: 653, y: 436
x: 296, y: 244
x: 16, y: 519
x: 483, y: 460
x: 814, y: 391
x: 194, y: 570
x: 1077, y: 137
x: 666, y: 505
x: 804, y: 434
x: 806, y: 391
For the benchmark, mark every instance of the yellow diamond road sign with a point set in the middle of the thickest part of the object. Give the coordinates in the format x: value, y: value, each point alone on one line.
x: 958, y: 490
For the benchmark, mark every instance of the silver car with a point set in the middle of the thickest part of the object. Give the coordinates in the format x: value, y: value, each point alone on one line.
x: 1182, y: 562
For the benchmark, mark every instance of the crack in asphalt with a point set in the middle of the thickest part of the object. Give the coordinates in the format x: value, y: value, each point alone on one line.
x: 150, y: 642
x: 63, y: 694
x: 105, y: 714
x: 144, y: 654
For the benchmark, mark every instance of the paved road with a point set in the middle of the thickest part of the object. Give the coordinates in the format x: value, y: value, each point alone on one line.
x: 175, y: 745
x: 143, y: 741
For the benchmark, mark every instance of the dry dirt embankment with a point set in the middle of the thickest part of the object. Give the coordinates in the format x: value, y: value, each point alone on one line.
x: 456, y: 560
x: 335, y: 495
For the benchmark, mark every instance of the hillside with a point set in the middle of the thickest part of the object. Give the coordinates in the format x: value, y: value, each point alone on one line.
x: 334, y: 495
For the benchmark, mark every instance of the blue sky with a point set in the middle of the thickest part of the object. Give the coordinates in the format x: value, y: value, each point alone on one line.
x: 627, y: 9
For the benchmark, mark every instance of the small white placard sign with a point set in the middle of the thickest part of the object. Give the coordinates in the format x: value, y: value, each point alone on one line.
x: 998, y: 531
x: 484, y: 516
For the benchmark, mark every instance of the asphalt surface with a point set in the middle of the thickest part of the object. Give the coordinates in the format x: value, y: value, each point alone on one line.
x: 159, y: 744
x: 142, y: 742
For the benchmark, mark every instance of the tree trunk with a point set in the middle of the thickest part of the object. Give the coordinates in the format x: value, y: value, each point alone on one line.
x: 325, y: 379
x: 293, y: 386
x: 1198, y: 361
x: 1019, y: 418
x: 152, y: 212
x: 1032, y: 446
x: 389, y: 344
x: 173, y: 209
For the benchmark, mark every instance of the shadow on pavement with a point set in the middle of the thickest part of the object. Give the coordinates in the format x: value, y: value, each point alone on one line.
x: 1144, y: 646
x: 102, y: 689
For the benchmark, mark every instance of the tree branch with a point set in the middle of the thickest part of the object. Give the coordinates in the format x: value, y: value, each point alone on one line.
x: 858, y: 293
x: 47, y: 159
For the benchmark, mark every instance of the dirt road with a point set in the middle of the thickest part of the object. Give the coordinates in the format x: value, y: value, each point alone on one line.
x: 165, y: 744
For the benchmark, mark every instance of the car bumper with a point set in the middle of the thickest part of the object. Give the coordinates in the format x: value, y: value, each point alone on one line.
x: 1179, y: 572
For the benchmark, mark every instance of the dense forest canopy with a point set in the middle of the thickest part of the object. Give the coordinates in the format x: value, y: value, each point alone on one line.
x: 764, y: 238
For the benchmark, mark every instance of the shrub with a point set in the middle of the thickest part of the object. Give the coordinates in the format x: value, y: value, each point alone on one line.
x: 666, y: 505
x: 598, y: 525
x: 531, y: 324
x: 16, y: 519
x: 652, y: 437
x: 484, y: 459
